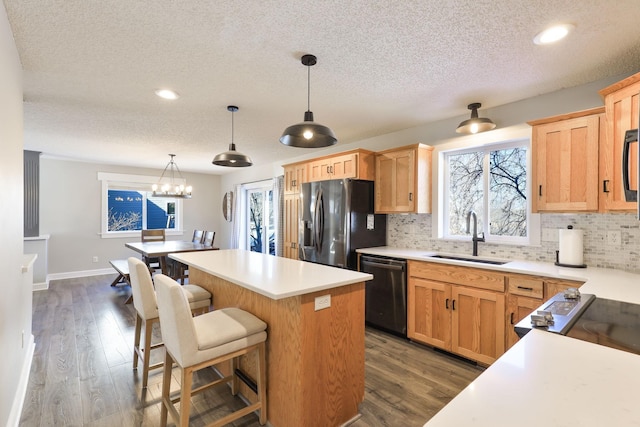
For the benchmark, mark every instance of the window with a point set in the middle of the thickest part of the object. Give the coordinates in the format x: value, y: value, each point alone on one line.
x: 128, y: 206
x: 492, y: 181
x: 260, y: 219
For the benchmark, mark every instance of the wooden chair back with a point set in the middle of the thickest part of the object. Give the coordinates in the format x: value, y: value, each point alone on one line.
x: 153, y: 235
x: 198, y: 236
x: 209, y: 237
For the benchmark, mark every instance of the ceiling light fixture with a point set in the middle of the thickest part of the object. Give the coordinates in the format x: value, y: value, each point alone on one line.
x: 232, y: 158
x: 553, y: 34
x: 167, y: 94
x: 308, y: 134
x: 169, y: 186
x: 475, y: 124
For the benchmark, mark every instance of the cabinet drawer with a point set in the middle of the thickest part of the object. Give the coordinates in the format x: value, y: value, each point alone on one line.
x: 467, y: 276
x: 526, y: 286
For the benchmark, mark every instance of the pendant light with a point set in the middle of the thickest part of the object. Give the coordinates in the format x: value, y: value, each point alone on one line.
x: 171, y: 188
x: 232, y: 158
x: 475, y: 124
x: 308, y: 134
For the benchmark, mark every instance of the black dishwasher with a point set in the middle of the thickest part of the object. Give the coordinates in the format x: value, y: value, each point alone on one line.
x: 386, y: 294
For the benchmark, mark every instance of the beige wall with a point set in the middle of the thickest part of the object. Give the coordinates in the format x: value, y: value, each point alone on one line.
x: 15, y: 303
x: 70, y: 212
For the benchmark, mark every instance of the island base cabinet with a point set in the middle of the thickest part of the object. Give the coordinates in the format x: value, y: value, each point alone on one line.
x: 315, y: 359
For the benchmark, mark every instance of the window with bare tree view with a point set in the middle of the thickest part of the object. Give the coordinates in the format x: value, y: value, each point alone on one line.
x: 491, y: 181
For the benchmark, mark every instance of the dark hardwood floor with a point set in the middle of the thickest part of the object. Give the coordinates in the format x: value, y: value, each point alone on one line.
x: 82, y: 373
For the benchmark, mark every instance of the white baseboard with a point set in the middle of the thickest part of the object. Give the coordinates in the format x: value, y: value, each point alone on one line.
x: 21, y: 392
x: 42, y: 286
x: 84, y: 273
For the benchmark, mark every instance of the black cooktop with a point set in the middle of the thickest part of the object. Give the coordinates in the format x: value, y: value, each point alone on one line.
x: 610, y: 323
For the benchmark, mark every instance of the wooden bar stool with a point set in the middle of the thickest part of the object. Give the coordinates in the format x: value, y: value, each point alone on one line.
x: 144, y: 301
x: 195, y: 343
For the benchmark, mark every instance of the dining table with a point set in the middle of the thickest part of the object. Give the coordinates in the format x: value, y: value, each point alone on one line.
x: 162, y: 249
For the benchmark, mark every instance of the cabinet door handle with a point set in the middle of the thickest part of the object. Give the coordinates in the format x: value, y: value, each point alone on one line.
x: 605, y: 186
x: 328, y: 170
x: 446, y: 303
x: 524, y: 288
x: 512, y: 318
x: 453, y: 304
x: 410, y: 197
x: 540, y: 190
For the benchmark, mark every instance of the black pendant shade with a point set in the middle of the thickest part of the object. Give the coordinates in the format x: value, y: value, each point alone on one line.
x: 308, y: 134
x: 232, y: 158
x: 475, y: 124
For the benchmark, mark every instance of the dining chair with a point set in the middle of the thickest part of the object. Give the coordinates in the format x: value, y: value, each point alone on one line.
x: 145, y: 304
x: 195, y: 343
x: 180, y: 271
x: 156, y: 235
x: 208, y: 238
x: 198, y: 235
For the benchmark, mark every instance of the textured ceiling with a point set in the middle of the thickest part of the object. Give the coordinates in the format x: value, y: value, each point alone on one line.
x: 90, y: 68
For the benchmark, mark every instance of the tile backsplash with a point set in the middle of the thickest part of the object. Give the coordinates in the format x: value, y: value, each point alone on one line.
x: 610, y: 240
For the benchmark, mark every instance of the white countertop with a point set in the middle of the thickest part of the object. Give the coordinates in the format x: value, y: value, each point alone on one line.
x: 271, y: 276
x: 604, y: 283
x: 550, y: 380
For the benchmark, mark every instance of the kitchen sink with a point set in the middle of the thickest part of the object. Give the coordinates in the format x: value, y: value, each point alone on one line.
x: 469, y: 259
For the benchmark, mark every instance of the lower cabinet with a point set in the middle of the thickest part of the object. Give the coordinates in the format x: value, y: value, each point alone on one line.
x: 461, y: 319
x: 518, y: 307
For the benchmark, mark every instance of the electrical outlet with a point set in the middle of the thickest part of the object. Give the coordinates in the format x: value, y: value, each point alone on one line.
x: 323, y: 302
x: 95, y: 259
x: 614, y: 238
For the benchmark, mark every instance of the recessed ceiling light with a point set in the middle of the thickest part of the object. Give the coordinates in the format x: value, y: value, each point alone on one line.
x: 167, y: 94
x: 553, y: 34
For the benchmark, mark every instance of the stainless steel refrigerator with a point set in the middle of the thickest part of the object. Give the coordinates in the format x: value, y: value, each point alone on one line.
x: 337, y: 218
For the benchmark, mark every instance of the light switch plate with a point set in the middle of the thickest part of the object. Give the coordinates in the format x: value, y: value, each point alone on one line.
x: 370, y: 222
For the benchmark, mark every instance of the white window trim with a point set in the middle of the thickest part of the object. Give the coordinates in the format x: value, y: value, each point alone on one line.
x: 107, y: 178
x: 440, y: 220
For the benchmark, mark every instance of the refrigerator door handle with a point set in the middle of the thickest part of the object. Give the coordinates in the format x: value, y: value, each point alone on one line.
x: 318, y: 220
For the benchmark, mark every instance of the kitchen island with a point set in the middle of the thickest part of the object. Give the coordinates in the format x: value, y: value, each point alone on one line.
x: 315, y: 358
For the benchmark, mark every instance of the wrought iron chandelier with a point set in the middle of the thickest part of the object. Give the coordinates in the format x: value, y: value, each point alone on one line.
x: 169, y: 186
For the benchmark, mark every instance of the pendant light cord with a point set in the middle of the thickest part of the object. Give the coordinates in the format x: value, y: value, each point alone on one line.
x: 308, y: 88
x: 232, y: 126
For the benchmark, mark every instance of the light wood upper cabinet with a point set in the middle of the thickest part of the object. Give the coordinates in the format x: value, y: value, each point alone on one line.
x: 294, y: 175
x: 621, y: 104
x: 565, y: 162
x: 403, y: 180
x: 357, y: 164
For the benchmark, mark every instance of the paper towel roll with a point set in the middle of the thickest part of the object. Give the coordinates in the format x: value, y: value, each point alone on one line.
x: 570, y: 247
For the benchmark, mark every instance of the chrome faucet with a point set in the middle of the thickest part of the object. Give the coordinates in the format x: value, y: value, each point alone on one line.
x: 475, y: 237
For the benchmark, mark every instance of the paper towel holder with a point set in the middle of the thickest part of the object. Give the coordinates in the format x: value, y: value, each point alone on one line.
x: 559, y: 264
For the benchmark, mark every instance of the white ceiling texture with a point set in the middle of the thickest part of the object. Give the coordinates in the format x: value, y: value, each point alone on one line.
x: 91, y: 68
